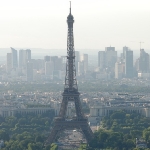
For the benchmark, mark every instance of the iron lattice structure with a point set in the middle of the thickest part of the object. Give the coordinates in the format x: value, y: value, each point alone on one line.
x: 70, y: 94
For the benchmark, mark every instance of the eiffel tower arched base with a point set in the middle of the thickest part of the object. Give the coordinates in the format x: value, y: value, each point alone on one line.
x: 61, y: 125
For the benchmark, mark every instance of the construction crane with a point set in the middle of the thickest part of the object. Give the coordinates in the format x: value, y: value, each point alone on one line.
x: 140, y: 44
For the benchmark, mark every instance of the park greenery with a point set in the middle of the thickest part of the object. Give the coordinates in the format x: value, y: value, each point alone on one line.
x: 26, y: 132
x: 119, y: 132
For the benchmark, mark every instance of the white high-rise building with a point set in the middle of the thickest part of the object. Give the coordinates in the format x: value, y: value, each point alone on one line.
x: 77, y: 56
x: 80, y: 68
x: 85, y: 59
x: 119, y: 70
x: 107, y: 59
x: 24, y: 57
x: 110, y: 57
x: 14, y: 58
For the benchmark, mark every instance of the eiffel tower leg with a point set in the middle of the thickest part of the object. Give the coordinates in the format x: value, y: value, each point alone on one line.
x: 78, y: 108
x: 86, y: 130
x: 63, y: 108
x: 53, y: 134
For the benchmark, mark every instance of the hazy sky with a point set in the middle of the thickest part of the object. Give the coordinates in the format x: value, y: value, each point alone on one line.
x: 98, y: 23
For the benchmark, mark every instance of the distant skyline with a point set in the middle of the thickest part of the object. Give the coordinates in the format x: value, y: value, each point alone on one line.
x: 98, y: 24
x: 38, y: 53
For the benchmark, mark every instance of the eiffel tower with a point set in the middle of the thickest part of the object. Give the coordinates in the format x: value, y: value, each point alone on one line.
x: 70, y: 94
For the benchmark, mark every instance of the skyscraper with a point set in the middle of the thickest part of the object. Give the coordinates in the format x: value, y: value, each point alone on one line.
x: 144, y: 62
x: 22, y: 61
x: 109, y: 49
x: 28, y: 54
x: 107, y: 59
x: 77, y: 54
x: 85, y: 60
x: 9, y: 63
x: 29, y: 71
x: 80, y: 67
x: 101, y: 60
x: 24, y: 57
x: 47, y: 58
x: 125, y: 48
x: 110, y: 57
x: 119, y: 70
x: 64, y: 59
x: 49, y: 68
x: 128, y: 64
x: 14, y: 58
x: 57, y: 62
x: 38, y: 64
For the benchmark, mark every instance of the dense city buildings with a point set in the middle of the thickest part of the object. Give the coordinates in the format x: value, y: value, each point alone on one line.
x: 106, y: 103
x: 110, y: 66
x: 65, y: 98
x: 122, y: 74
x: 124, y: 65
x: 107, y: 58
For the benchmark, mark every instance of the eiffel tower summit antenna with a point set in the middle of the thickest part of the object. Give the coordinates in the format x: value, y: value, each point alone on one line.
x: 70, y: 94
x: 70, y: 7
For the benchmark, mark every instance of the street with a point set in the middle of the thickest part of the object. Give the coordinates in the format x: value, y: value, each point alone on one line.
x: 71, y: 140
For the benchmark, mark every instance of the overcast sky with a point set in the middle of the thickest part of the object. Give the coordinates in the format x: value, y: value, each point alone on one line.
x: 98, y: 23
